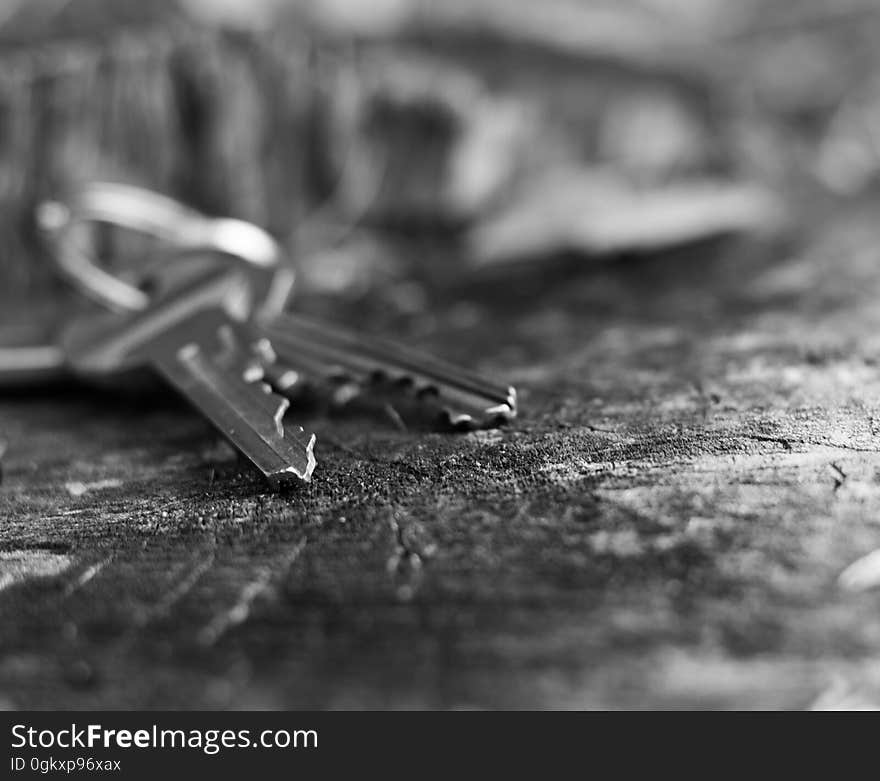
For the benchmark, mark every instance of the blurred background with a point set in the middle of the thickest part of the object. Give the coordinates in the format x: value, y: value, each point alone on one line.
x: 398, y: 145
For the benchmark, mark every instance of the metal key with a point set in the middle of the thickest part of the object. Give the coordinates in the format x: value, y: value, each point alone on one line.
x: 192, y: 339
x: 30, y: 356
x: 305, y: 353
x: 309, y: 351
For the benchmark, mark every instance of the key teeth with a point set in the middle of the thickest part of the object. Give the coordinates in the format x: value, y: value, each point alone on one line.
x: 291, y: 471
x: 345, y: 390
x: 506, y: 411
x: 283, y: 404
x: 298, y: 432
x: 430, y: 392
x: 334, y: 355
x: 491, y: 417
x: 347, y: 366
x: 511, y: 402
x: 253, y: 414
x: 310, y: 453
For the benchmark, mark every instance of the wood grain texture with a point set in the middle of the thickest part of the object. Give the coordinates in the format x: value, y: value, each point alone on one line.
x: 681, y: 516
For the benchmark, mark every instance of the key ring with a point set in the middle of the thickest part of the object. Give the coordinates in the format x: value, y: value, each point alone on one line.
x: 161, y: 217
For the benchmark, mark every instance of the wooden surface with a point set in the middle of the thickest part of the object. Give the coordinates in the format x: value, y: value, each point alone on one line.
x: 680, y: 517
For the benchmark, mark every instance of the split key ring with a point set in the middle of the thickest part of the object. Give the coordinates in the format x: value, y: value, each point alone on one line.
x: 185, y: 230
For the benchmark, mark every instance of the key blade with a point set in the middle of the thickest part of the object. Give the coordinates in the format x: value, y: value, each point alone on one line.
x: 192, y: 338
x: 248, y: 415
x: 331, y: 353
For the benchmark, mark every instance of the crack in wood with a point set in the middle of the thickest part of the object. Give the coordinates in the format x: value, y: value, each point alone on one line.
x: 261, y: 583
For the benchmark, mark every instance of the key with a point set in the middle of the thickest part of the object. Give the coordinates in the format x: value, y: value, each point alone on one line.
x: 29, y: 353
x: 197, y: 341
x: 309, y: 351
x: 26, y: 366
x: 300, y: 353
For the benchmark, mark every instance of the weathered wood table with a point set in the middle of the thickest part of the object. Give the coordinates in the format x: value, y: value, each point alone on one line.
x: 683, y: 515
